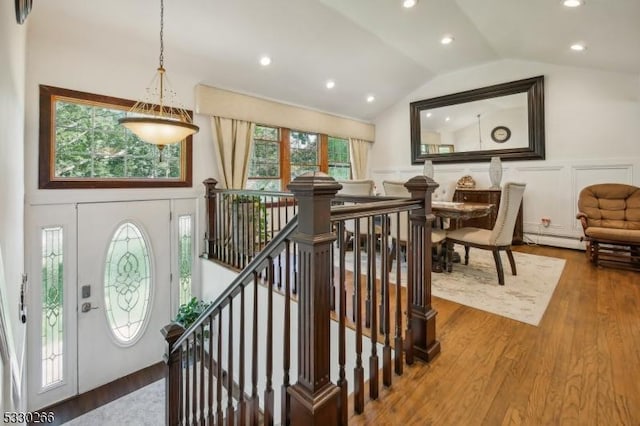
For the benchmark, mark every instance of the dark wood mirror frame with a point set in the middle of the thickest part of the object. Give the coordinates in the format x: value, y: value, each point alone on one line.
x: 533, y: 87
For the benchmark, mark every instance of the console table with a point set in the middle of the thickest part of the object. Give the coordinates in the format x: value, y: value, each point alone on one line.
x: 491, y: 196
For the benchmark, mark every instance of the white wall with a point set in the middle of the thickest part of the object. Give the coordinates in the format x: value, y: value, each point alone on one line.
x: 108, y: 70
x: 592, y: 135
x: 109, y: 65
x: 12, y: 99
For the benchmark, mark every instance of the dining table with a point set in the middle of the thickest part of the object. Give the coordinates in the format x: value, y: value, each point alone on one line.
x: 455, y: 212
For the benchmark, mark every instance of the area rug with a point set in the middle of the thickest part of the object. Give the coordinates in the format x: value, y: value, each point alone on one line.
x: 143, y: 407
x: 523, y: 298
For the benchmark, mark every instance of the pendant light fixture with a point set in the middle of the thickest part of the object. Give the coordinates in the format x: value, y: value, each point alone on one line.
x: 154, y: 119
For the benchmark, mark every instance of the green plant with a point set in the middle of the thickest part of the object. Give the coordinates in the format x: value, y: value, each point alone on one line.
x: 254, y: 211
x: 189, y: 312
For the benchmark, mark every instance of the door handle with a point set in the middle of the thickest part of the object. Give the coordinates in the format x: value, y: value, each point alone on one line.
x: 86, y: 307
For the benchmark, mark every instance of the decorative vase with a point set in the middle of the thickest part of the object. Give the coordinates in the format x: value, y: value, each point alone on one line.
x: 427, y: 170
x: 495, y: 172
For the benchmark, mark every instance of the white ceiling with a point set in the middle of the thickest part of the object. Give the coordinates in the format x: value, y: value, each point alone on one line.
x: 366, y: 46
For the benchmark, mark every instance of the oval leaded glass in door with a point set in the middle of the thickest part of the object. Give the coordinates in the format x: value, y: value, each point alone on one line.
x: 127, y: 283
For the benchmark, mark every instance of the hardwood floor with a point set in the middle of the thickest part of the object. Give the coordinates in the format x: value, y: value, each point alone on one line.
x: 580, y: 366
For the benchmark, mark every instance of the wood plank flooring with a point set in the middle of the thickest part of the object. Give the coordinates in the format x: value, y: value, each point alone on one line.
x: 580, y: 366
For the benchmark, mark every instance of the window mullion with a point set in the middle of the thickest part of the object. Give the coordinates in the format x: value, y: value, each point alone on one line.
x: 285, y: 157
x: 324, y: 153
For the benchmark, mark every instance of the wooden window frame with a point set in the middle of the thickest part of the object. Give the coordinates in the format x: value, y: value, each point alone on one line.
x: 279, y: 143
x: 46, y: 167
x: 328, y: 163
x: 285, y: 154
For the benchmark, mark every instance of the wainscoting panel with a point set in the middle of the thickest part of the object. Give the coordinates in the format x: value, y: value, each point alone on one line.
x: 552, y: 189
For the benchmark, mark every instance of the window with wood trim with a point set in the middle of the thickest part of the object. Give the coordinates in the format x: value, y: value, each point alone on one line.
x: 339, y: 158
x: 303, y: 148
x: 279, y: 155
x: 82, y: 145
x: 264, y: 165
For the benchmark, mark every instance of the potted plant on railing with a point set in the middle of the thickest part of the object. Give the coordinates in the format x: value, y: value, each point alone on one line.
x: 187, y: 314
x: 249, y: 220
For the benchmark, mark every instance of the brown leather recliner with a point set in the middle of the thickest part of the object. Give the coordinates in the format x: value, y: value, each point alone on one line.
x: 610, y: 217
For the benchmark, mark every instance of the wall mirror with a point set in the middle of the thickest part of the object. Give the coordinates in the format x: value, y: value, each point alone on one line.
x: 505, y: 120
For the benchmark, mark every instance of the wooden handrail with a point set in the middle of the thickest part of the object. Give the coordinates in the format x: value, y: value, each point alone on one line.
x: 259, y: 262
x: 207, y: 359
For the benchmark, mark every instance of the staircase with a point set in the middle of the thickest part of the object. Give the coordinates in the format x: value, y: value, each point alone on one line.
x: 269, y: 340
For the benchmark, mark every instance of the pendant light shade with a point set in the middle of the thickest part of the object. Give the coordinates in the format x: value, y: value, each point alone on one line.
x: 159, y: 131
x: 151, y: 119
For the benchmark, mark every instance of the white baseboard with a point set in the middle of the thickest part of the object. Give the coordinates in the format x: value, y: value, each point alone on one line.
x: 554, y: 241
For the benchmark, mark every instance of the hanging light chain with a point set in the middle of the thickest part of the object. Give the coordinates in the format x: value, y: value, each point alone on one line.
x: 161, y: 33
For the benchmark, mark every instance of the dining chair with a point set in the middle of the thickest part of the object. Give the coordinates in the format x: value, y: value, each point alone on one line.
x: 444, y: 192
x: 497, y: 239
x: 400, y: 235
x: 358, y: 188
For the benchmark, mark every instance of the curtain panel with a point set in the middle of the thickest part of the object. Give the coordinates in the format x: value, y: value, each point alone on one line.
x: 232, y: 142
x: 359, y: 157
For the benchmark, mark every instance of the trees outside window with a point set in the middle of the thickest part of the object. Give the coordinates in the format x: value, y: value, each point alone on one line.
x: 264, y: 164
x: 279, y: 155
x: 82, y: 145
x: 339, y: 158
x: 304, y: 153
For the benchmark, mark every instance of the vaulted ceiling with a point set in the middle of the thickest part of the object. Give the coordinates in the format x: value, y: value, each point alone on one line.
x: 368, y: 47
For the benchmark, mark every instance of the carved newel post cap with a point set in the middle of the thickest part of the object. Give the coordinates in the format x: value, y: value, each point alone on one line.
x: 420, y: 183
x: 314, y: 183
x: 172, y: 332
x: 210, y: 182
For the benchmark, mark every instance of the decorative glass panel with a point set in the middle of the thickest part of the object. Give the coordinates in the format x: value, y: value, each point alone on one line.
x: 52, y: 312
x: 185, y: 257
x: 127, y: 283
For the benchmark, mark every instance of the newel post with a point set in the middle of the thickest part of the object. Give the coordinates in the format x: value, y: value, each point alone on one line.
x: 173, y: 370
x: 422, y: 316
x: 314, y: 398
x: 210, y: 233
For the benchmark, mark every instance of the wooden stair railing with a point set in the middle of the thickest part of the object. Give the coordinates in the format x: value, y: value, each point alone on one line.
x: 241, y: 222
x: 221, y: 370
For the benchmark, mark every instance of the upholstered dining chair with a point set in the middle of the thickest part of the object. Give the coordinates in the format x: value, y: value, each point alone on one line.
x: 400, y: 236
x: 444, y: 192
x: 497, y: 239
x: 362, y: 188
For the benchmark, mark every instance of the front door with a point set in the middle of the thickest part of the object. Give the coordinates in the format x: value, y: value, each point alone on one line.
x: 124, y: 260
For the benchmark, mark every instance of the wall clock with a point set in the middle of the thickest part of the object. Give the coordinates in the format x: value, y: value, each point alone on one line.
x: 23, y: 7
x: 500, y: 134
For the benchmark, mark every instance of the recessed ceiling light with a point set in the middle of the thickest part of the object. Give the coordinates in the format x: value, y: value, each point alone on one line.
x: 578, y: 47
x: 447, y: 39
x: 371, y: 98
x: 330, y: 84
x: 428, y: 114
x: 447, y: 119
x: 409, y: 3
x: 265, y: 60
x: 572, y: 3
